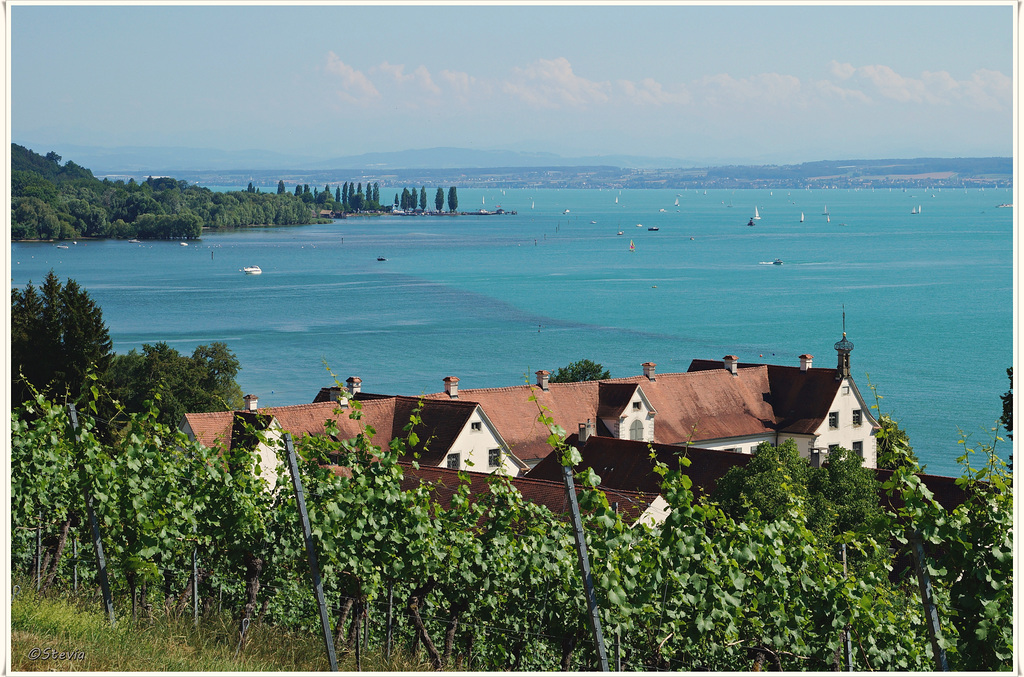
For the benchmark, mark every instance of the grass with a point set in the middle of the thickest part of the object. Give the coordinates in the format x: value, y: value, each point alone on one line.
x: 76, y: 625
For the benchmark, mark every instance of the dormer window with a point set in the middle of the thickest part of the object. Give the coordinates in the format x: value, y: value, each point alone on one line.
x: 636, y: 406
x: 454, y: 461
x: 476, y: 426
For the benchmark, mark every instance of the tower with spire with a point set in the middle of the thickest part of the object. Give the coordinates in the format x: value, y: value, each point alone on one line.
x: 844, y: 347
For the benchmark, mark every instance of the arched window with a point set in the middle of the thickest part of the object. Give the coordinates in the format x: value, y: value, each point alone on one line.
x: 636, y: 430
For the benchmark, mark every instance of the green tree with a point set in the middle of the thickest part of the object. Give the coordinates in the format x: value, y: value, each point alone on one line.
x: 439, y: 198
x: 202, y: 382
x: 423, y: 198
x: 298, y: 190
x: 280, y: 187
x: 582, y: 370
x: 57, y: 338
x: 771, y: 482
x: 453, y: 199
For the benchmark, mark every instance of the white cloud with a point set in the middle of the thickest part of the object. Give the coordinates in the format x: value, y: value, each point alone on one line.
x: 355, y: 86
x: 462, y: 83
x: 985, y: 89
x: 842, y: 71
x: 552, y: 84
x: 651, y: 92
x: 420, y: 78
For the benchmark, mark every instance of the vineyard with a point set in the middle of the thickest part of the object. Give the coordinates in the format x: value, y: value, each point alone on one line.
x: 492, y: 582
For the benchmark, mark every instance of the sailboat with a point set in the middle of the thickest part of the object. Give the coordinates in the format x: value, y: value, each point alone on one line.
x: 677, y: 202
x: 825, y: 213
x: 757, y: 217
x: 801, y: 217
x: 828, y: 219
x: 632, y: 247
x: 616, y: 199
x: 914, y: 210
x: 533, y: 204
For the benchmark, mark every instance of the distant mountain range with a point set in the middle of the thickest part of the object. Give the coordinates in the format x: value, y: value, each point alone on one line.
x: 515, y: 169
x: 167, y: 160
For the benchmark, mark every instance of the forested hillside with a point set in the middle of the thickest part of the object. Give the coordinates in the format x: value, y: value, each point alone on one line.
x: 61, y: 202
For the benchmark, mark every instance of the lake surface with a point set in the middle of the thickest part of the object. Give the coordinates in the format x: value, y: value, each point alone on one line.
x: 491, y: 299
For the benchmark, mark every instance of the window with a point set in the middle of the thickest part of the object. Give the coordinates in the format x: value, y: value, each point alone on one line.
x: 476, y: 426
x: 833, y: 419
x: 493, y: 458
x: 832, y: 447
x: 636, y: 430
x: 856, y: 417
x: 858, y: 448
x: 454, y: 461
x: 636, y: 406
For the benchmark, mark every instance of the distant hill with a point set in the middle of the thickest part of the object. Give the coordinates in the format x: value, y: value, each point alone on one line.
x: 512, y: 169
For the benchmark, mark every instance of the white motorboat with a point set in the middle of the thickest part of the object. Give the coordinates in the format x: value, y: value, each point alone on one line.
x: 252, y: 270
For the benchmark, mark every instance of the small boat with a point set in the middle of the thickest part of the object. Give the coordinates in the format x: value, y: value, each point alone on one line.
x: 828, y: 219
x: 252, y: 270
x: 639, y: 225
x: 750, y: 222
x: 63, y: 246
x: 825, y: 213
x: 756, y: 217
x: 183, y: 244
x: 801, y: 217
x: 593, y: 221
x: 777, y: 262
x: 691, y: 238
x: 381, y: 258
x: 1005, y: 204
x: 620, y: 232
x: 566, y: 211
x: 914, y: 210
x: 616, y: 200
x: 653, y: 228
x: 661, y: 210
x: 134, y: 241
x: 632, y: 247
x: 677, y: 202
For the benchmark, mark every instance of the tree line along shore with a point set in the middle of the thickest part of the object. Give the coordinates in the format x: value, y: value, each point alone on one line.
x: 54, y: 201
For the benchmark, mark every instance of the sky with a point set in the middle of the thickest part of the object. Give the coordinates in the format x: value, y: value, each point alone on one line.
x: 756, y: 83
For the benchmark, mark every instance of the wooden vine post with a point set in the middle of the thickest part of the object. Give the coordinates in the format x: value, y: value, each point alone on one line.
x: 593, y: 615
x: 97, y: 542
x: 307, y: 534
x: 930, y: 611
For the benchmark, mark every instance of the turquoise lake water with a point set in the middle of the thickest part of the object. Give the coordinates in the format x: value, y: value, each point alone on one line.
x: 491, y: 299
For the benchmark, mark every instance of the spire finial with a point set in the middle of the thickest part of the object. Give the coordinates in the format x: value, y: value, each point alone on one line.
x: 844, y: 320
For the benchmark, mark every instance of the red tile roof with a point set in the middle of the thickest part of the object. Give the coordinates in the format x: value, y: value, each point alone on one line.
x: 441, y: 422
x: 549, y: 493
x: 627, y: 464
x: 799, y: 399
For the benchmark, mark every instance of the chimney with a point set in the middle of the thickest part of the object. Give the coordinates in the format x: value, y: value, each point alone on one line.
x: 649, y: 370
x: 355, y: 384
x: 339, y: 395
x: 730, y: 363
x: 250, y: 402
x: 586, y: 430
x: 805, y: 362
x: 451, y: 386
x: 542, y: 379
